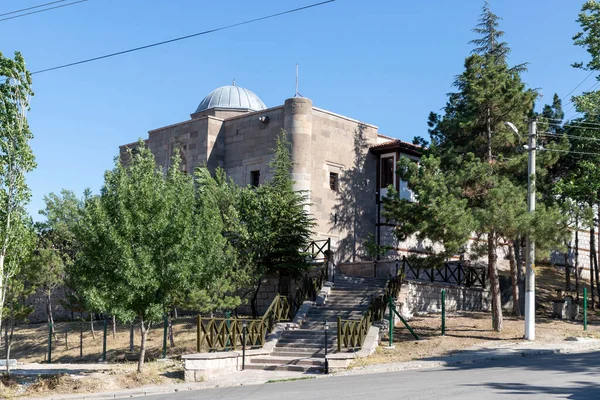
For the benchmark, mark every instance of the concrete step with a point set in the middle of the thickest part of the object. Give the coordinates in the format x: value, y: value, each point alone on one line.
x: 288, y: 361
x: 286, y: 367
x: 298, y: 352
x: 304, y: 345
x: 320, y: 341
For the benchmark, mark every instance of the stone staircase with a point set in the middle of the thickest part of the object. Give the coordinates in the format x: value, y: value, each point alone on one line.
x: 303, y: 349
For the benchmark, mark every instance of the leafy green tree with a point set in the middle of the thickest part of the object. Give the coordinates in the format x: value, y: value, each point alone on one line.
x: 16, y: 160
x: 577, y: 182
x: 465, y: 182
x: 278, y: 224
x: 21, y: 285
x: 137, y: 241
x: 220, y: 279
x: 55, y: 250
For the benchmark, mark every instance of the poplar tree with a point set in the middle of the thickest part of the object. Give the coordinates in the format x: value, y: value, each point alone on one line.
x: 16, y: 160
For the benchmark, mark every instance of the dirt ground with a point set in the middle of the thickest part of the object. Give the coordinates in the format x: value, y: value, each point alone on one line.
x: 467, y: 329
x: 114, y: 377
x: 30, y: 342
x: 463, y: 330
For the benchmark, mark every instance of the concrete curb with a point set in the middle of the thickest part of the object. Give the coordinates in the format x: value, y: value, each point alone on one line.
x: 450, y: 361
x: 454, y: 360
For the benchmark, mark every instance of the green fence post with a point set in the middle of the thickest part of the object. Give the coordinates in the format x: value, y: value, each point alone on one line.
x: 339, y: 333
x: 585, y: 309
x: 165, y: 327
x: 443, y: 312
x: 391, y: 311
x: 49, y: 342
x: 104, y: 341
x: 198, y: 322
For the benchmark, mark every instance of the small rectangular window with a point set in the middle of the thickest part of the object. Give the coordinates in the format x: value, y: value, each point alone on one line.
x: 255, y: 178
x: 387, y: 171
x: 333, y: 181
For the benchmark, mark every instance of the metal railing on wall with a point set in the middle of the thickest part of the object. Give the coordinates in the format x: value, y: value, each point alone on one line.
x: 457, y: 273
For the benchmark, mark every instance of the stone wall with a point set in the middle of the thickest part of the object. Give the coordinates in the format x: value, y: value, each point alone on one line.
x: 38, y: 302
x: 418, y: 297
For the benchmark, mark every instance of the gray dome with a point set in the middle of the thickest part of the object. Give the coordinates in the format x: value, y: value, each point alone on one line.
x: 232, y: 97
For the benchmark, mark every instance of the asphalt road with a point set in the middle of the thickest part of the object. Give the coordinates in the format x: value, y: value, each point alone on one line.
x: 566, y: 376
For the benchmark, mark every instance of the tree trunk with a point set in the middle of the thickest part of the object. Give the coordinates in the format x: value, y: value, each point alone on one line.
x: 567, y: 270
x: 171, y: 333
x: 144, y: 334
x: 489, y: 136
x: 577, y: 255
x: 92, y: 326
x: 50, y: 316
x: 597, y: 276
x: 175, y: 312
x: 2, y: 281
x: 81, y: 337
x: 114, y: 327
x: 591, y: 268
x: 253, y: 304
x: 514, y: 280
x: 494, y: 283
x: 131, y: 335
x: 9, y: 337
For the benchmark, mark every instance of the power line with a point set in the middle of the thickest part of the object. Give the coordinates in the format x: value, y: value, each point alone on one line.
x: 576, y: 124
x: 184, y: 37
x: 31, y: 8
x: 570, y: 152
x: 44, y: 10
x: 576, y: 87
x: 585, y: 91
x: 550, y: 134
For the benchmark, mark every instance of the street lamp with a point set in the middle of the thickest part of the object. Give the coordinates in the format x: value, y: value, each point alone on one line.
x: 530, y: 249
x: 326, y: 327
x: 244, y: 328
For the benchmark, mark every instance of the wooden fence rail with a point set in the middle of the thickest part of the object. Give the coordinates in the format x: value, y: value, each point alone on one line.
x: 228, y: 334
x: 351, y: 334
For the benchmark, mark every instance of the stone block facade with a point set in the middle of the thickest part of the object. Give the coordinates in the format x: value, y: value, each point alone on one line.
x: 330, y: 155
x: 417, y: 297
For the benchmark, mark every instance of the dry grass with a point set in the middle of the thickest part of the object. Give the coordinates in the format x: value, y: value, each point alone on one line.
x: 30, y: 343
x: 464, y: 330
x: 119, y: 377
x: 468, y: 329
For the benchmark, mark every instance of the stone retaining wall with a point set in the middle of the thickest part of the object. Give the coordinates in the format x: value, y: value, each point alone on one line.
x: 418, y: 297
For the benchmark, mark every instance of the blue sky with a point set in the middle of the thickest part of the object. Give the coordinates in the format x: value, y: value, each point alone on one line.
x: 386, y: 62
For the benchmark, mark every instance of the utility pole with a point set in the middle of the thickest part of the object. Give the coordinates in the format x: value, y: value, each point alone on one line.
x: 530, y: 249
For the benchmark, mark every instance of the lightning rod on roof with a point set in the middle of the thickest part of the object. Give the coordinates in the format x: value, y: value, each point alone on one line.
x: 297, y: 93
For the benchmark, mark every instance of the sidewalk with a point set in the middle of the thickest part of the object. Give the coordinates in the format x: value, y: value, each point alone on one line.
x: 485, y: 352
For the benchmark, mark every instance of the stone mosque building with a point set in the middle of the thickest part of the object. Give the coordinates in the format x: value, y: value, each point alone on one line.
x: 233, y: 129
x: 345, y: 165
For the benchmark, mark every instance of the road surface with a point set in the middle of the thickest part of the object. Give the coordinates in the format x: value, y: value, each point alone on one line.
x: 566, y: 376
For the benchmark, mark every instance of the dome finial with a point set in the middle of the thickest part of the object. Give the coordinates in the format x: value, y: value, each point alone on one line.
x: 233, y: 83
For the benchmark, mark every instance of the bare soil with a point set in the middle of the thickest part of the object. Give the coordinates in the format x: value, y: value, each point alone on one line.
x: 463, y: 330
x: 468, y: 329
x: 30, y: 342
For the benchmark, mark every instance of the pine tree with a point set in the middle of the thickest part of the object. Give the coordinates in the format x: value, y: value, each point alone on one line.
x: 465, y: 182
